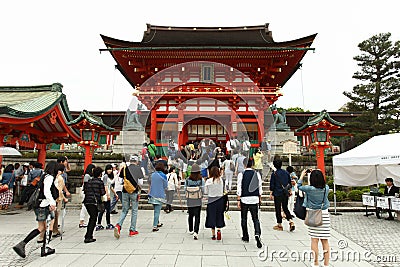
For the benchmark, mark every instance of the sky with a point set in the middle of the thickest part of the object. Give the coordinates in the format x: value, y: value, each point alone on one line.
x: 43, y: 42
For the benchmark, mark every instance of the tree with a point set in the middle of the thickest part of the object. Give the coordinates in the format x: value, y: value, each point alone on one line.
x: 377, y: 96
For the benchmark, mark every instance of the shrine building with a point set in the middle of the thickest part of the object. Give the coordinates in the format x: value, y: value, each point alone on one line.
x: 208, y: 82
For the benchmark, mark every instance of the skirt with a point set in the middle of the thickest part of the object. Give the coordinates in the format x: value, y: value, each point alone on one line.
x: 323, y: 231
x: 6, y: 197
x: 215, y: 213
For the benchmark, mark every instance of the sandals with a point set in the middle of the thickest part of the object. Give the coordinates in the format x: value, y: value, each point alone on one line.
x: 160, y: 225
x: 82, y: 225
x: 155, y: 229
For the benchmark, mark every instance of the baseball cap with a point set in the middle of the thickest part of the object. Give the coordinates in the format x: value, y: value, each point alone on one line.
x: 134, y: 158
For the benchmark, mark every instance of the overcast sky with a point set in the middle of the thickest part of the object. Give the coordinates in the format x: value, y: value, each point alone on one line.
x: 43, y: 42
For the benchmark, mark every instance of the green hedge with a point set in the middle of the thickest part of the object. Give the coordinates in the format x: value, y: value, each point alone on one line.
x: 355, y: 195
x: 80, y: 156
x: 340, y: 196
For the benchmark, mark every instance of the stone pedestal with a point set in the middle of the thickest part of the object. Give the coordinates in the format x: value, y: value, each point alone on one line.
x: 277, y: 140
x: 129, y: 142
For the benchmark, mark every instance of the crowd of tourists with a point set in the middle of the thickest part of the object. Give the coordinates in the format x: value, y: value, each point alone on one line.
x: 203, y: 172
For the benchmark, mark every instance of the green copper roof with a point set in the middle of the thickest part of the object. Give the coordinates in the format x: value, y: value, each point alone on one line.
x: 31, y: 101
x: 323, y: 115
x: 90, y: 118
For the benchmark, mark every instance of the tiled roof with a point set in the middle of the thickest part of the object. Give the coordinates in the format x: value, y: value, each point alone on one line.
x: 323, y: 115
x: 91, y: 119
x: 31, y: 101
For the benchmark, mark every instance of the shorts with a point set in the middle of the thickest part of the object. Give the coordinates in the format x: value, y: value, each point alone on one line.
x: 42, y: 213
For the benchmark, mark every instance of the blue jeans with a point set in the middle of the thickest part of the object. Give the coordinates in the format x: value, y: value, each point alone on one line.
x: 114, y: 201
x: 126, y: 201
x: 157, y: 210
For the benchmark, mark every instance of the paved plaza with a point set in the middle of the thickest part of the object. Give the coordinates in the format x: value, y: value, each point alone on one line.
x: 173, y: 246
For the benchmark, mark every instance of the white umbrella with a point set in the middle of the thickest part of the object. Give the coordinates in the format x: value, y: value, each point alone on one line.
x: 9, y: 151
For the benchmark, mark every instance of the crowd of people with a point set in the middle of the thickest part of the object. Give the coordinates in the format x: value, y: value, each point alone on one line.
x: 202, y: 172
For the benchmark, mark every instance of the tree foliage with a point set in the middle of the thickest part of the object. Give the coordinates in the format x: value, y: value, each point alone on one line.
x: 378, y: 95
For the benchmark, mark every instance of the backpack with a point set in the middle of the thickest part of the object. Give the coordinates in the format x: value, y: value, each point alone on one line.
x: 193, y: 192
x: 35, y: 198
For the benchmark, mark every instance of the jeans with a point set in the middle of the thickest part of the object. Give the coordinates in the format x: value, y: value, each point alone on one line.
x: 115, y: 201
x: 157, y: 210
x: 126, y: 201
x: 144, y: 164
x: 107, y: 206
x: 253, y: 208
x: 281, y: 202
x: 92, y: 210
x: 194, y: 212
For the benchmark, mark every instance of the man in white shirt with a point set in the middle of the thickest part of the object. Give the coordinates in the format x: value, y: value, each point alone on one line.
x: 249, y: 191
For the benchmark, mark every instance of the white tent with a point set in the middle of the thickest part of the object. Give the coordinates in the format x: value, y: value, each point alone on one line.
x: 369, y: 163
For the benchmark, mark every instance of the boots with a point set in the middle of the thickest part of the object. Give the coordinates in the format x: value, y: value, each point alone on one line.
x: 20, y: 249
x: 44, y: 253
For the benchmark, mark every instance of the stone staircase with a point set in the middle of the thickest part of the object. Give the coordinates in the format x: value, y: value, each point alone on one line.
x: 266, y: 203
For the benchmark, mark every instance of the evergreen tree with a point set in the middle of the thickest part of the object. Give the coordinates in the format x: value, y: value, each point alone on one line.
x: 378, y: 94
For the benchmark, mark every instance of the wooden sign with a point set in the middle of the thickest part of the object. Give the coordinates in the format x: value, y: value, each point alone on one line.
x: 289, y: 147
x: 368, y: 200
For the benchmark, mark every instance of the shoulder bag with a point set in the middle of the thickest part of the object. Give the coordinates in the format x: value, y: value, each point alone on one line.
x: 128, y: 186
x: 314, y: 217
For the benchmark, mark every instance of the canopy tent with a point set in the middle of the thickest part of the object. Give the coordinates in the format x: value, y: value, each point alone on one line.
x: 369, y: 163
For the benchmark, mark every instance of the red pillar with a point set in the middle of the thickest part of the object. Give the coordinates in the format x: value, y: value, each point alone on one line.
x: 88, y: 155
x: 260, y: 126
x: 1, y: 144
x: 181, y: 134
x: 42, y: 155
x: 153, y: 125
x: 320, y: 154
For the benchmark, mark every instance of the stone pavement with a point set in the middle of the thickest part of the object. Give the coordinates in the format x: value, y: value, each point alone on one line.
x: 380, y: 237
x: 172, y: 245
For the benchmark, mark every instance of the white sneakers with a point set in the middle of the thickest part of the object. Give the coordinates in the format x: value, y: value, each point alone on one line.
x: 191, y: 233
x: 195, y: 236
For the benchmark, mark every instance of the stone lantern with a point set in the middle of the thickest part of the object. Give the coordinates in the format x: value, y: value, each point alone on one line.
x: 90, y: 127
x: 318, y: 129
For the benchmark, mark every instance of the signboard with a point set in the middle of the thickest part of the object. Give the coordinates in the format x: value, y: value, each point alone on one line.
x: 290, y: 147
x: 382, y: 202
x: 395, y: 204
x: 368, y: 200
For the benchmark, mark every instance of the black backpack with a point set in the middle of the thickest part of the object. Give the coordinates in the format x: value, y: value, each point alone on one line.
x: 38, y: 195
x: 35, y: 198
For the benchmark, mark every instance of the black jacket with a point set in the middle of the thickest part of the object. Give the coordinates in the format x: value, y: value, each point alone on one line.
x: 392, y: 191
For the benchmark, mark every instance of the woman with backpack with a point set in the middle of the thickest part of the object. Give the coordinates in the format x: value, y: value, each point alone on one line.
x: 173, y: 184
x: 194, y: 194
x: 46, y: 206
x: 228, y: 167
x: 214, y: 188
x: 94, y: 190
x: 152, y: 149
x: 87, y: 176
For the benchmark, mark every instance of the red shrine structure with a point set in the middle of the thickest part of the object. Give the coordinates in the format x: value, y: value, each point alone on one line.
x: 317, y: 131
x: 207, y: 82
x: 35, y: 117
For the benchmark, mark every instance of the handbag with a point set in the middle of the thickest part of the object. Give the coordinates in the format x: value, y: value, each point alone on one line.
x: 4, y: 187
x: 128, y: 186
x: 299, y: 210
x: 314, y: 217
